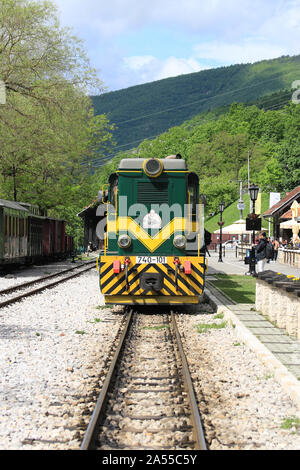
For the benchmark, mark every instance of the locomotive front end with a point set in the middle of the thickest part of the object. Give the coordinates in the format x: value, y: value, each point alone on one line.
x: 154, y: 249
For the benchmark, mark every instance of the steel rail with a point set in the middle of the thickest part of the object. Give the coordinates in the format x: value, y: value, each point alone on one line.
x: 22, y: 296
x: 41, y: 279
x: 91, y: 434
x: 198, y: 432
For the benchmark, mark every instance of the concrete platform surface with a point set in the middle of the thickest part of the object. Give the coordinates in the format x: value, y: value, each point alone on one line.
x: 233, y: 265
x: 278, y: 351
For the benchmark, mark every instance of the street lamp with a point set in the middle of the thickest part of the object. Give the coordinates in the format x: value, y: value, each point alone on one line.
x: 221, y: 209
x: 253, y: 192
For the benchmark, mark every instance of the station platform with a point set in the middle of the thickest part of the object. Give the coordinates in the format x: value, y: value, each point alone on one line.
x: 233, y: 265
x: 273, y: 345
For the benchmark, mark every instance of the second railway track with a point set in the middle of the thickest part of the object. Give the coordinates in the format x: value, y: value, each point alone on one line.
x: 147, y: 400
x: 27, y: 289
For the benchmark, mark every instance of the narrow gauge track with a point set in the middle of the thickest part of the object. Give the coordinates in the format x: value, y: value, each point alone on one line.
x: 26, y: 293
x: 147, y: 400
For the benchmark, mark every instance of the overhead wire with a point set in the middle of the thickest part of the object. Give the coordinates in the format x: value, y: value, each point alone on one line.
x: 99, y: 162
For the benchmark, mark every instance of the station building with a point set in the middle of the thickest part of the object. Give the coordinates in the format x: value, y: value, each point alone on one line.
x: 90, y: 221
x: 281, y: 213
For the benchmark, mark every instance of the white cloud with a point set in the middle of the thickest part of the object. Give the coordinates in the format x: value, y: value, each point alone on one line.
x: 223, y: 32
x: 115, y: 17
x: 174, y: 66
x: 247, y: 51
x: 149, y: 68
x: 138, y: 62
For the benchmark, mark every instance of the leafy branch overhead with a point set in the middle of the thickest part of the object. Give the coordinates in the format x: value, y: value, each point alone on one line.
x: 47, y: 126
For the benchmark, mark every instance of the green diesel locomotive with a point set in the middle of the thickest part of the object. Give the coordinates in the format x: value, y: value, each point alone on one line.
x: 154, y: 251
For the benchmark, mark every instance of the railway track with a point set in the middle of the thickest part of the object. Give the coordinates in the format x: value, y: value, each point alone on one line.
x: 62, y: 276
x: 147, y: 400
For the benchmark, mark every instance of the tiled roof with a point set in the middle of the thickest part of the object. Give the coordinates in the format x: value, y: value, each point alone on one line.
x: 12, y: 205
x: 285, y: 202
x: 87, y: 208
x: 289, y: 215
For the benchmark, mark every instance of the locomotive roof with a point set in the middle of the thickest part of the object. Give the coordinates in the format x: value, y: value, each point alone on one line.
x: 12, y: 205
x: 137, y: 164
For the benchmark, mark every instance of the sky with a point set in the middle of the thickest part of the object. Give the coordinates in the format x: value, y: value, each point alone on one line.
x: 131, y: 42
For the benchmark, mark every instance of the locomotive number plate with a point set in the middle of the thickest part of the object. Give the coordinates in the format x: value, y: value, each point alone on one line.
x: 151, y: 259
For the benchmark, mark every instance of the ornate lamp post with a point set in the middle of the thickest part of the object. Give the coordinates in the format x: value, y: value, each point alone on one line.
x: 221, y: 223
x: 253, y: 192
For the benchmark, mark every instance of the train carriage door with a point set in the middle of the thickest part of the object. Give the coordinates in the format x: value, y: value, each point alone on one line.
x: 2, y: 232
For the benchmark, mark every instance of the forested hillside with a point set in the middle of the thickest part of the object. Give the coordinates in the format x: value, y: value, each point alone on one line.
x: 217, y: 149
x: 147, y: 110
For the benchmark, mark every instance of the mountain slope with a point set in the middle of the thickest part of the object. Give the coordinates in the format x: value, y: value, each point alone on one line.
x: 145, y: 111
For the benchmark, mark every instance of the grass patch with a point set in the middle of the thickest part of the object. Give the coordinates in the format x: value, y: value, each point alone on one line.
x: 203, y: 327
x: 80, y: 332
x: 239, y: 288
x: 157, y: 327
x: 291, y: 422
x: 101, y: 307
x: 219, y: 316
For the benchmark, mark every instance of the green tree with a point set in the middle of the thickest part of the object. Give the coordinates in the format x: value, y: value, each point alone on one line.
x: 48, y: 130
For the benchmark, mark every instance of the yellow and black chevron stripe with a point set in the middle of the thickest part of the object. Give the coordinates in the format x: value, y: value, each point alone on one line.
x: 151, y: 243
x: 186, y: 289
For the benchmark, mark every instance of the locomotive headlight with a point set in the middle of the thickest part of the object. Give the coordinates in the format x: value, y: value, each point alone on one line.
x: 153, y: 167
x: 179, y: 241
x: 124, y: 241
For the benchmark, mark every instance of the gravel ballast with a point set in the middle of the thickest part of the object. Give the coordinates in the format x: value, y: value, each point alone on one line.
x: 32, y: 273
x: 242, y: 405
x: 52, y: 349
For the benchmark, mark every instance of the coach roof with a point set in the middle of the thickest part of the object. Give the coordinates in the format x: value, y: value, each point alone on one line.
x: 137, y: 164
x: 12, y: 205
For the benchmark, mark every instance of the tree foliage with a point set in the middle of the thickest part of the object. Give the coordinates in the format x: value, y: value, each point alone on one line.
x: 48, y: 128
x: 218, y: 150
x: 150, y: 109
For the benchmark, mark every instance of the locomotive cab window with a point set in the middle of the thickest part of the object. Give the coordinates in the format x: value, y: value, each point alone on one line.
x: 192, y: 194
x: 113, y: 189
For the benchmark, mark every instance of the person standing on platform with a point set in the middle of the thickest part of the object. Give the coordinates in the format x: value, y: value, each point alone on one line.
x: 275, y: 246
x: 260, y: 250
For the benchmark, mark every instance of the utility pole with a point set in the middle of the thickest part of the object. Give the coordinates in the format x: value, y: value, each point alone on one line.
x: 241, y: 202
x: 248, y: 169
x: 251, y: 207
x: 241, y: 205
